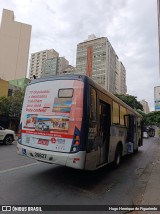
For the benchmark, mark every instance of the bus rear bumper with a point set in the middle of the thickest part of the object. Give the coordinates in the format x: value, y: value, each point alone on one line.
x: 73, y: 160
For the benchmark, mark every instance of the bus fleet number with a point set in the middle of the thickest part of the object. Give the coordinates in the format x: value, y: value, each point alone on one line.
x: 40, y: 155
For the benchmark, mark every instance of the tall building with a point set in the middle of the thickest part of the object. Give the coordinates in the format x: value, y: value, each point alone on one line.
x: 145, y: 106
x: 62, y: 65
x: 69, y: 69
x: 14, y: 47
x: 157, y: 98
x: 37, y: 60
x: 54, y: 66
x: 49, y: 67
x: 97, y: 59
x: 120, y: 84
x: 158, y: 10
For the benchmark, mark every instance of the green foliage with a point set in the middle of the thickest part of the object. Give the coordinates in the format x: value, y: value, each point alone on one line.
x: 131, y: 101
x: 153, y: 118
x: 11, y: 106
x: 5, y: 103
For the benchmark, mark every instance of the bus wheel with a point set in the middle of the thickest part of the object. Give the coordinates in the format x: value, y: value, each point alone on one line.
x: 118, y: 157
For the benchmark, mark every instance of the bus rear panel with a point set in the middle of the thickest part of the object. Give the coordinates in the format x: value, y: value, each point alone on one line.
x: 51, y: 122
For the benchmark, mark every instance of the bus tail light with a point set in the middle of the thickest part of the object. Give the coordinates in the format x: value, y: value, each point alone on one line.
x: 20, y: 133
x: 76, y: 159
x: 76, y: 141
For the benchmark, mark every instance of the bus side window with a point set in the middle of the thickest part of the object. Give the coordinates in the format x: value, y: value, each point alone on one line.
x: 126, y: 120
x: 115, y: 113
x: 122, y: 114
x: 93, y: 104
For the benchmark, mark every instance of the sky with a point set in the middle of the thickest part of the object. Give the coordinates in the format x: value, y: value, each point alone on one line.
x: 131, y: 26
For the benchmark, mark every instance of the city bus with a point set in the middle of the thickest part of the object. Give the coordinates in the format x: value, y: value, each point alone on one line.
x: 72, y: 121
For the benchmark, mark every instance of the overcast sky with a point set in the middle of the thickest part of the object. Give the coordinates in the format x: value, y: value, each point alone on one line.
x: 130, y: 25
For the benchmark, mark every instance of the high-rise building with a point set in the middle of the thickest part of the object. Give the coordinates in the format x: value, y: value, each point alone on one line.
x: 120, y: 84
x: 157, y: 98
x: 158, y: 10
x: 49, y: 67
x: 37, y: 60
x: 145, y: 106
x: 14, y: 47
x: 54, y: 66
x: 69, y: 69
x: 97, y: 59
x: 62, y: 65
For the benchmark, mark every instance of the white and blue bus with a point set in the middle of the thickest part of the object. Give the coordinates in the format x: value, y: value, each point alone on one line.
x: 70, y: 120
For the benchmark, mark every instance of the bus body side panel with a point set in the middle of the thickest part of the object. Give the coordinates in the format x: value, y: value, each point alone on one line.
x: 51, y: 122
x: 99, y: 121
x: 118, y: 135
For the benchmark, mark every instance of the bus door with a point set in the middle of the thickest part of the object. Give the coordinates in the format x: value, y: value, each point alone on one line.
x: 104, y: 131
x: 130, y: 121
x: 92, y: 140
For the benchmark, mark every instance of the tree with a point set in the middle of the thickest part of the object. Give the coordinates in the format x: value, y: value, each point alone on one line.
x: 11, y: 106
x: 131, y: 101
x: 5, y: 106
x: 153, y: 118
x: 16, y: 104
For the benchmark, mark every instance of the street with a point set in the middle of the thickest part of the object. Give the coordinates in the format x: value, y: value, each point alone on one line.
x: 25, y: 181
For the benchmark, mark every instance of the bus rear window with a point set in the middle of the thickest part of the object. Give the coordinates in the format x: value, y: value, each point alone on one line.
x: 65, y: 93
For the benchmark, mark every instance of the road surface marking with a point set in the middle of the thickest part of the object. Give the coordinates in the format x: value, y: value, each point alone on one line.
x: 19, y: 167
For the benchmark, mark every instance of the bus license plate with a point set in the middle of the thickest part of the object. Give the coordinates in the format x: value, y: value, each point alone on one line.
x: 40, y: 155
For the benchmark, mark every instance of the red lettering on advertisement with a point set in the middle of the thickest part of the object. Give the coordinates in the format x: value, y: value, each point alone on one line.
x: 43, y: 142
x: 53, y: 140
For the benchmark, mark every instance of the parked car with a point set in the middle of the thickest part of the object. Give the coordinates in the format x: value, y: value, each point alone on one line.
x: 151, y: 132
x: 7, y: 136
x: 145, y: 135
x: 145, y: 132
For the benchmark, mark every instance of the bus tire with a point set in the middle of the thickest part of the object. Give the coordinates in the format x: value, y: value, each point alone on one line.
x: 118, y: 157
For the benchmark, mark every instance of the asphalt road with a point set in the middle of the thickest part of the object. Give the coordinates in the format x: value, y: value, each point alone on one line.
x: 25, y: 181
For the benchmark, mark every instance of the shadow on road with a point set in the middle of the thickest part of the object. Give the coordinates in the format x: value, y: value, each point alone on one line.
x: 96, y: 182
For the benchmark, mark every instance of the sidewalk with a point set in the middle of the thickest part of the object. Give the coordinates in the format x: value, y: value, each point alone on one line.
x: 152, y: 191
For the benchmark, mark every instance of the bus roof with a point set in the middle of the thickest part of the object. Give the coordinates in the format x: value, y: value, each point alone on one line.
x: 84, y: 78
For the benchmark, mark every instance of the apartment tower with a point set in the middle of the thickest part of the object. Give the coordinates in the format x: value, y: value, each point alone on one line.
x: 37, y: 59
x: 14, y: 47
x: 120, y: 84
x: 158, y: 11
x: 145, y: 106
x: 96, y: 58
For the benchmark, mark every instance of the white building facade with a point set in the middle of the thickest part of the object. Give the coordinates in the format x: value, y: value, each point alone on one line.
x: 14, y: 47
